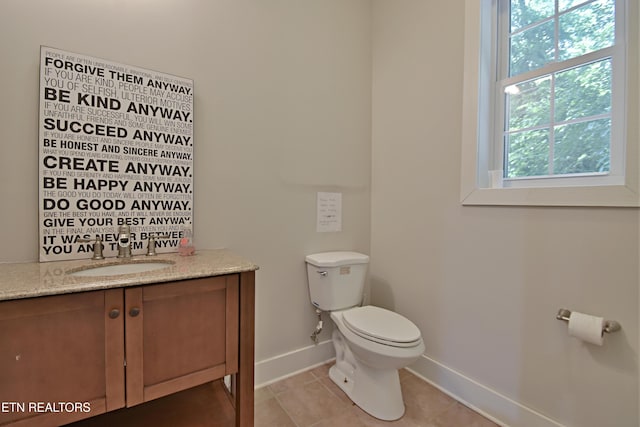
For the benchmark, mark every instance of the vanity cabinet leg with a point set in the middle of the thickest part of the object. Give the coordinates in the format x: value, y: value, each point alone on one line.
x: 244, y: 378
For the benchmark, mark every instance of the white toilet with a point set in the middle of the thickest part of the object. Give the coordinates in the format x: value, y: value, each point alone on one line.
x: 371, y: 343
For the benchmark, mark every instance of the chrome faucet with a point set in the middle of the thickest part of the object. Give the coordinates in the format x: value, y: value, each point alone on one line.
x: 97, y: 247
x: 151, y: 246
x: 124, y: 241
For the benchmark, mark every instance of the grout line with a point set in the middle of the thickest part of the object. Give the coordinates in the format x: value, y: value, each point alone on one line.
x: 285, y: 410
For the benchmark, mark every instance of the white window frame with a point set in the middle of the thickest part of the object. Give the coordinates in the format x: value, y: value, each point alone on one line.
x: 479, y: 153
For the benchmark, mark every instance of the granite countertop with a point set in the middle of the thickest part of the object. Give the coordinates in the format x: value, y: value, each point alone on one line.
x: 35, y: 279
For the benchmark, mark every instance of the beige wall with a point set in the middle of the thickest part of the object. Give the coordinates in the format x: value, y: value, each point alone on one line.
x: 282, y: 110
x: 484, y: 283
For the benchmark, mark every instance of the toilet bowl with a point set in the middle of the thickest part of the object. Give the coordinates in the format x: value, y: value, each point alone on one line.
x: 367, y: 361
x: 381, y: 338
x: 371, y: 343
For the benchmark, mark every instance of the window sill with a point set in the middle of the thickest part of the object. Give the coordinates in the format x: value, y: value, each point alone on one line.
x: 613, y: 195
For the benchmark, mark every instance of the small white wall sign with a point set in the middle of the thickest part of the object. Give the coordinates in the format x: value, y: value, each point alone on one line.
x: 329, y: 212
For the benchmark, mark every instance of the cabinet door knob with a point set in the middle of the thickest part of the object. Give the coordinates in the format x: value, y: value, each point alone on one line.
x: 134, y: 311
x: 114, y: 313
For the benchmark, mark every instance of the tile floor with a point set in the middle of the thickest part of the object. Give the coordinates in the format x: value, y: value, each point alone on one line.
x: 312, y: 399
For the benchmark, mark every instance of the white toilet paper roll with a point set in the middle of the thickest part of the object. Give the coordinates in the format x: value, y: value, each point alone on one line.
x: 586, y: 327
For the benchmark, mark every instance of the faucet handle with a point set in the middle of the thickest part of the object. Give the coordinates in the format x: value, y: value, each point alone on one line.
x: 97, y: 247
x: 151, y: 245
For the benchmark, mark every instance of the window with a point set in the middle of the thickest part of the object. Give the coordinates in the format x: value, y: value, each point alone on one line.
x: 546, y: 100
x: 554, y: 89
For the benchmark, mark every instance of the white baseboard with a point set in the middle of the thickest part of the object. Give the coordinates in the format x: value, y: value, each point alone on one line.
x: 285, y: 365
x: 493, y: 405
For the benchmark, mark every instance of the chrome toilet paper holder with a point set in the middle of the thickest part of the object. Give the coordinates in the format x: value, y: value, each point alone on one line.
x: 609, y: 325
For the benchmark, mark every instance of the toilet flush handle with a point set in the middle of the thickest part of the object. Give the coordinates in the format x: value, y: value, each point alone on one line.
x: 322, y: 272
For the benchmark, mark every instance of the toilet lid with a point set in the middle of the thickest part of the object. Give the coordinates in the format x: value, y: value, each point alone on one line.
x: 380, y: 325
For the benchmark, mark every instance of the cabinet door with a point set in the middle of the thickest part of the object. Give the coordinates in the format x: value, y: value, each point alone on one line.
x: 179, y: 335
x: 61, y: 357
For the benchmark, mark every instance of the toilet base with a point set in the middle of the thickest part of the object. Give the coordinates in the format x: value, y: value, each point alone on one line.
x: 375, y: 391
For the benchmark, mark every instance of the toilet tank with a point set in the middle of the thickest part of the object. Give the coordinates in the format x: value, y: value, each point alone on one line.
x: 336, y: 279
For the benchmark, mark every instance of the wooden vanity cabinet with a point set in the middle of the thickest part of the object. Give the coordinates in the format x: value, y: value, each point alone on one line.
x: 122, y: 347
x: 179, y: 335
x: 60, y: 351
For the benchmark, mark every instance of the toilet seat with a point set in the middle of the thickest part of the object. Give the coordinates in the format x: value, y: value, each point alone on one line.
x: 381, y: 326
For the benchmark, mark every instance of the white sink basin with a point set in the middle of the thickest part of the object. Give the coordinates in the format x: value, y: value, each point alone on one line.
x: 119, y: 269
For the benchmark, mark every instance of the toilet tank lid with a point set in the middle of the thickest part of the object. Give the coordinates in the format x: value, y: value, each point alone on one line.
x: 336, y: 259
